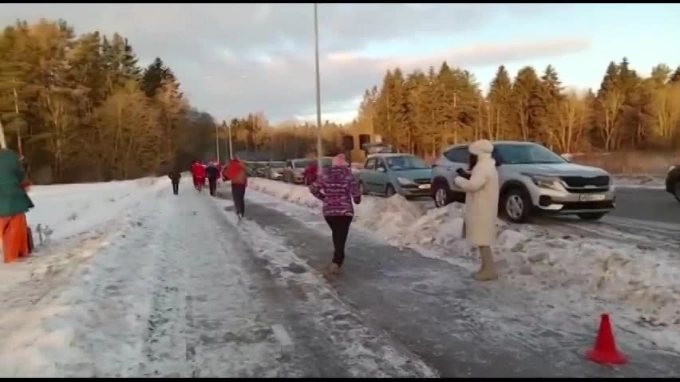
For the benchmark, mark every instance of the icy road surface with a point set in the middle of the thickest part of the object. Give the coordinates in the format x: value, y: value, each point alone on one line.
x: 172, y: 290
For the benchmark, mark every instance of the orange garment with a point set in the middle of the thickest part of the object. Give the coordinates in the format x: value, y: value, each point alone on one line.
x: 14, y: 237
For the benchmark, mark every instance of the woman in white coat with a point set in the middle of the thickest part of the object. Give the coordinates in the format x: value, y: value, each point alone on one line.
x: 481, y: 206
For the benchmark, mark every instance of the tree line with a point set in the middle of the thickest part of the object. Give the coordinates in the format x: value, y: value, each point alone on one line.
x: 419, y: 111
x: 81, y: 108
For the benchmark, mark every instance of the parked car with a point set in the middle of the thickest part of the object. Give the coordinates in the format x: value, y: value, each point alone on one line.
x: 673, y: 181
x: 259, y: 169
x: 275, y: 170
x: 389, y: 174
x: 294, y: 169
x: 532, y: 179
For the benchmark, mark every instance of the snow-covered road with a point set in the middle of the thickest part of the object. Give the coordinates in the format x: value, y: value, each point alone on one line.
x: 173, y: 290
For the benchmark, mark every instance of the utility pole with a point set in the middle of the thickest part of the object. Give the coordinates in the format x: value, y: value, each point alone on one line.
x: 319, y: 152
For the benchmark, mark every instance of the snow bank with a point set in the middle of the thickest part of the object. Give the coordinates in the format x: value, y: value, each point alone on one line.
x: 568, y: 268
x: 70, y: 209
x: 640, y: 181
x: 79, y: 216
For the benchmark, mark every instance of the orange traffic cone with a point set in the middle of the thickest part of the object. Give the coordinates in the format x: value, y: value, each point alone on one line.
x: 604, y: 351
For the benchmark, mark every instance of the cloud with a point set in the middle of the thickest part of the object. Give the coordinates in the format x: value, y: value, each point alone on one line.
x: 236, y: 58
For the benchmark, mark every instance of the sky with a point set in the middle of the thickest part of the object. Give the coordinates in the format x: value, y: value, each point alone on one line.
x: 232, y: 59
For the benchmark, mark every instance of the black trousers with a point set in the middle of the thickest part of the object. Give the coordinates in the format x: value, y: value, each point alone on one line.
x: 238, y: 193
x: 340, y: 229
x: 212, y: 183
x: 175, y: 187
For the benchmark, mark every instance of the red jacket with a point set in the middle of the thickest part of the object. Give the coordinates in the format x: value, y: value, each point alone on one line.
x: 236, y: 172
x: 197, y: 170
x: 311, y: 172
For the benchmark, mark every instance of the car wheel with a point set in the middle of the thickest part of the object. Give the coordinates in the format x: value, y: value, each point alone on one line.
x: 592, y: 216
x: 441, y: 195
x: 516, y: 205
x: 389, y: 191
x: 676, y: 191
x: 362, y: 188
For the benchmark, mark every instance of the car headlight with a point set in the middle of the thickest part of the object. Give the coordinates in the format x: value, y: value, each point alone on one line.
x: 405, y: 182
x: 543, y: 181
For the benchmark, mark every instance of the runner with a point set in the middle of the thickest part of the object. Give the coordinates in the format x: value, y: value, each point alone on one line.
x: 238, y: 174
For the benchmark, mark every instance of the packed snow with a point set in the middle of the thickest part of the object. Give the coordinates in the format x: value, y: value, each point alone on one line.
x: 639, y: 282
x: 158, y: 285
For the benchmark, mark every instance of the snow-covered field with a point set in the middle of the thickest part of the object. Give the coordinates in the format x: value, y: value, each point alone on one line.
x: 638, y: 284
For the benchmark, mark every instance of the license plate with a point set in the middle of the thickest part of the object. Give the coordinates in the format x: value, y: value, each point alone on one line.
x: 424, y: 186
x: 591, y: 197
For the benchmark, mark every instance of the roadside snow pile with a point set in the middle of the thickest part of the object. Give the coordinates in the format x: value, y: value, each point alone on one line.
x: 640, y: 181
x: 575, y: 267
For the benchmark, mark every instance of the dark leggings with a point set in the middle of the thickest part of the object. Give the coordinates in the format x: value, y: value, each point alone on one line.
x: 175, y: 187
x: 340, y: 228
x: 238, y: 193
x: 212, y: 183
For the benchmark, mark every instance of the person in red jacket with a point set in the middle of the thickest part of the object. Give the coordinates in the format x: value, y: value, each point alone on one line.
x: 311, y: 172
x: 237, y: 172
x: 198, y: 173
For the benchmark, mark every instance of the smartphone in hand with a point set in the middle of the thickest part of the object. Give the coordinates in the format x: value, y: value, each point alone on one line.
x: 462, y: 173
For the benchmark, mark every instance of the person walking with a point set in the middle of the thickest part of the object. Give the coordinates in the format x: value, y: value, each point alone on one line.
x: 481, y: 205
x: 14, y: 203
x: 311, y: 172
x: 237, y: 172
x: 175, y: 174
x: 212, y: 173
x: 338, y: 190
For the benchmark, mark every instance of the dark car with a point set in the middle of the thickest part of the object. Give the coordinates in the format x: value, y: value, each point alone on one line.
x: 673, y: 181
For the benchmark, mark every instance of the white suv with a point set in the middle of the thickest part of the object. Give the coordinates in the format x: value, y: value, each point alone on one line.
x: 532, y: 180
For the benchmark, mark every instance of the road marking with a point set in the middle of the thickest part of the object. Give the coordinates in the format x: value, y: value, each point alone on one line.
x: 282, y: 335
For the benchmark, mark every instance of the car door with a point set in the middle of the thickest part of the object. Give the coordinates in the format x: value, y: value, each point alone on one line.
x: 367, y: 174
x: 381, y: 178
x: 457, y: 157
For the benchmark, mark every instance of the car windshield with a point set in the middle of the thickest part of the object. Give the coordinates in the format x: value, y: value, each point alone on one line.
x: 326, y: 162
x: 276, y: 164
x: 527, y: 154
x: 405, y: 162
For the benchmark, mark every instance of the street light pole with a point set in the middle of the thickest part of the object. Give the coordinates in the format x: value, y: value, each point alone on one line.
x: 318, y: 88
x: 3, y: 142
x: 231, y: 149
x: 217, y: 143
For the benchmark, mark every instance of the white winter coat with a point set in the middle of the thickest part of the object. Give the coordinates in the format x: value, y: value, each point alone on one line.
x: 481, y: 196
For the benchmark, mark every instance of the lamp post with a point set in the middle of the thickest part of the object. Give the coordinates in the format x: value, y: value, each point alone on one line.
x: 217, y: 144
x: 318, y: 88
x: 231, y: 148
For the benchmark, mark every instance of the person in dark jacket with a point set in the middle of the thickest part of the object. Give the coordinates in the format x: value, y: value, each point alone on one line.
x: 175, y: 174
x: 14, y: 203
x: 212, y: 173
x: 338, y: 190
